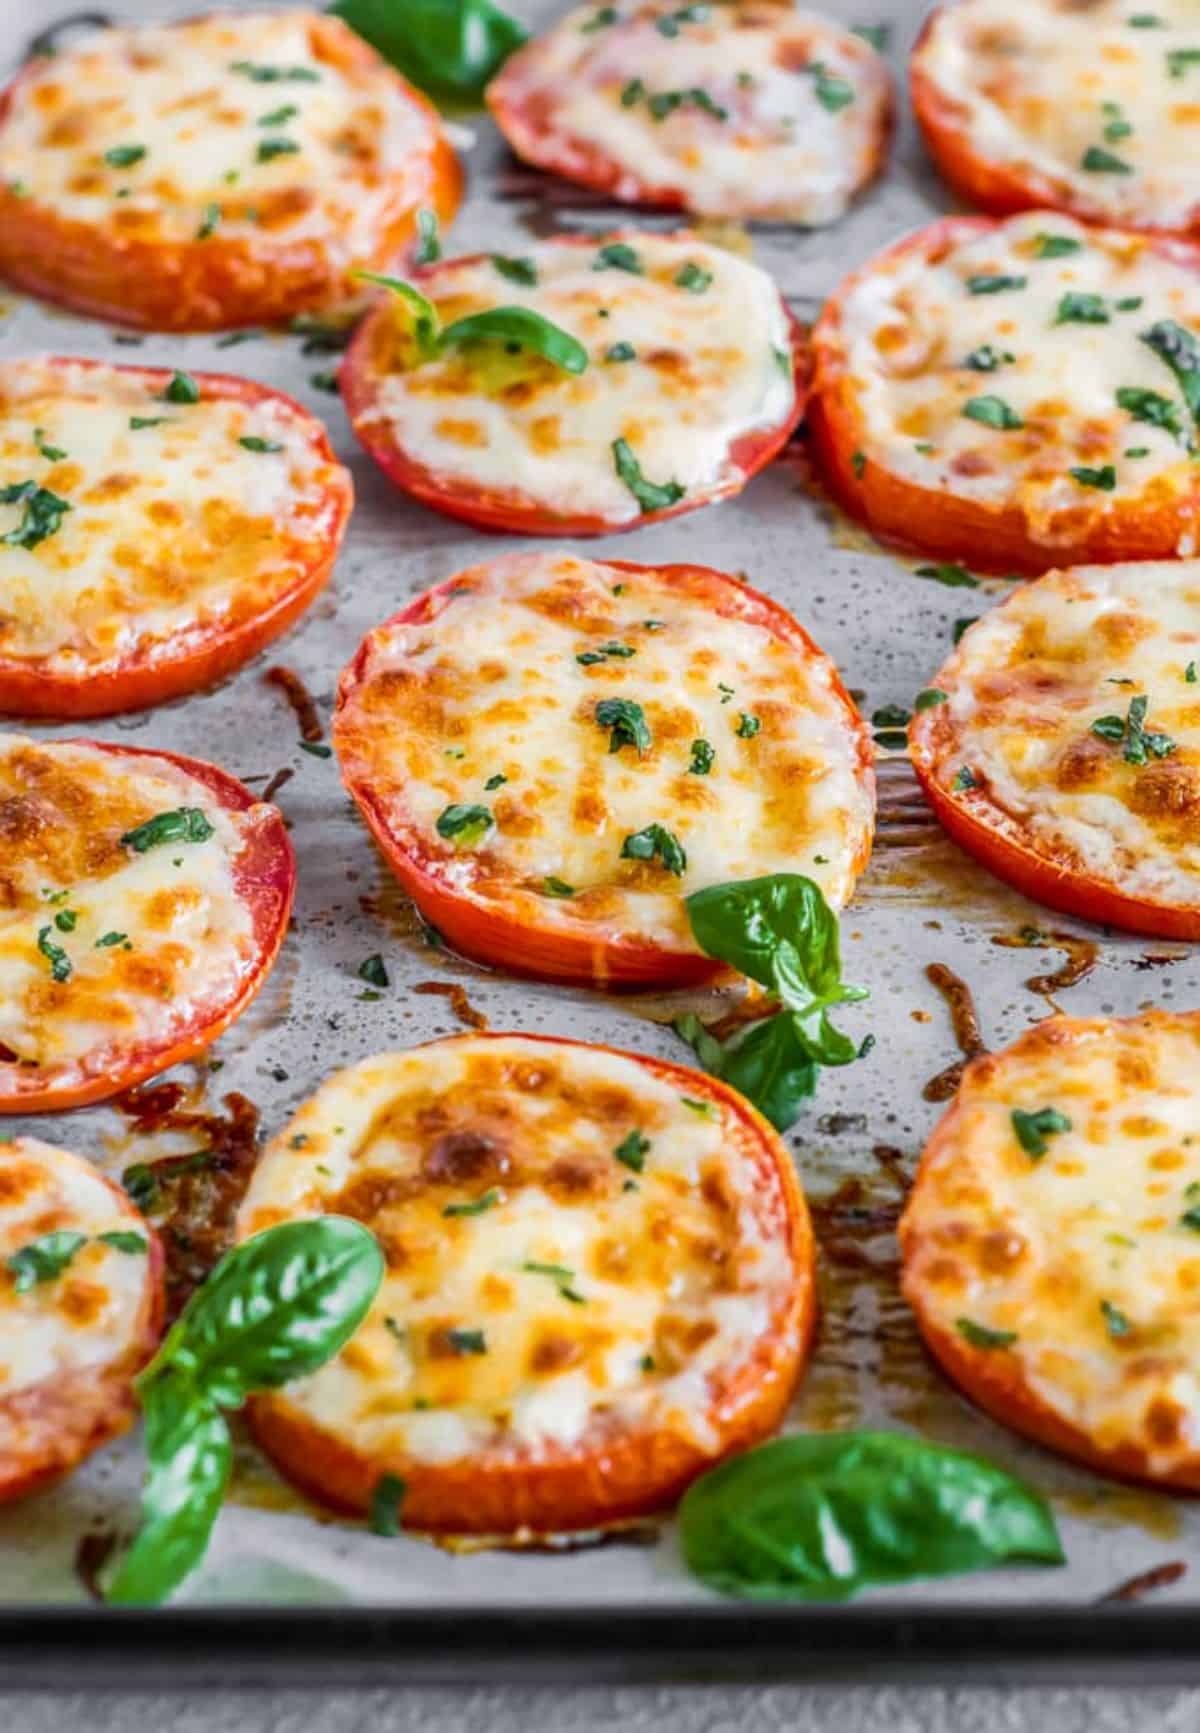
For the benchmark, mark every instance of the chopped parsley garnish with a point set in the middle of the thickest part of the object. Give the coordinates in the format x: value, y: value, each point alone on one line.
x: 464, y: 825
x: 515, y: 270
x: 60, y: 963
x: 43, y: 1259
x: 656, y: 842
x: 955, y: 577
x: 66, y: 920
x: 496, y: 781
x: 373, y: 971
x: 1098, y: 161
x: 476, y: 1207
x: 275, y: 74
x: 52, y: 453
x: 124, y: 155
x: 621, y: 352
x: 1104, y: 478
x: 693, y: 277
x: 832, y: 92
x: 988, y: 284
x: 617, y: 256
x: 747, y: 725
x: 558, y: 1273
x: 930, y: 698
x: 1151, y: 407
x: 665, y: 102
x: 387, y: 1496
x: 1115, y: 1321
x: 1116, y: 127
x: 1139, y: 742
x: 986, y: 359
x: 253, y: 442
x: 650, y: 495
x: 626, y: 722
x: 605, y: 653
x: 209, y: 222
x: 552, y: 887
x: 467, y: 1341
x: 703, y: 758
x: 43, y: 513
x: 180, y: 388
x: 137, y: 422
x: 1055, y: 246
x: 1079, y: 309
x: 181, y: 824
x: 980, y: 1336
x: 1033, y: 1128
x: 279, y: 116
x: 632, y: 92
x: 632, y: 1151
x: 1128, y: 303
x: 107, y: 940
x: 270, y: 148
x: 964, y: 778
x: 992, y: 412
x: 1179, y: 59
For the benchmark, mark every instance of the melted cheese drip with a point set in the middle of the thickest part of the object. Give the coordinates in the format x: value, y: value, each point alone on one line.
x: 63, y: 809
x: 88, y: 1315
x: 173, y: 91
x: 775, y: 149
x: 684, y: 1263
x: 909, y: 325
x: 1036, y: 1246
x: 172, y: 529
x: 495, y: 687
x: 1037, y: 84
x: 709, y: 367
x: 1025, y: 686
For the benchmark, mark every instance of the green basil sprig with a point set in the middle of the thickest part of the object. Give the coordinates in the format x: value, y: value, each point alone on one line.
x: 822, y: 1515
x: 275, y: 1308
x: 450, y: 49
x: 520, y: 325
x: 780, y: 931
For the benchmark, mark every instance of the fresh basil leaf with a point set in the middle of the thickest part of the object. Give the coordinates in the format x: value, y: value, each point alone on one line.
x: 275, y: 1308
x: 703, y: 758
x: 426, y: 325
x: 463, y: 825
x: 125, y: 1241
x: 747, y: 922
x: 386, y: 1500
x: 655, y: 841
x: 124, y: 155
x: 1096, y: 160
x: 520, y: 325
x: 769, y: 1063
x: 1151, y: 407
x: 516, y: 270
x: 650, y: 495
x: 60, y: 963
x: 184, y: 824
x: 1079, y: 309
x: 190, y: 1454
x: 1033, y: 1128
x: 1055, y: 246
x: 270, y: 148
x: 180, y: 388
x: 992, y: 412
x: 617, y: 256
x: 42, y: 516
x: 450, y: 49
x: 1177, y: 348
x: 954, y: 577
x: 986, y: 358
x: 824, y: 1515
x: 1104, y: 477
x: 987, y: 284
x: 43, y: 1259
x: 627, y: 723
x: 832, y: 92
x: 632, y: 1151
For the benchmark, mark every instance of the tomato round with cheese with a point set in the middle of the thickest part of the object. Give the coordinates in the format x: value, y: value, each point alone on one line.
x: 221, y: 170
x: 1016, y: 394
x: 693, y: 378
x: 553, y: 752
x: 1050, y: 1243
x: 599, y: 1282
x: 156, y: 530
x: 81, y: 1305
x: 762, y: 110
x: 143, y: 900
x: 1066, y: 752
x: 1091, y: 109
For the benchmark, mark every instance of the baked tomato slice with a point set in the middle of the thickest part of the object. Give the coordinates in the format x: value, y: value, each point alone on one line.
x: 599, y: 1283
x: 143, y: 901
x: 1015, y: 394
x: 158, y: 529
x: 230, y: 169
x: 686, y: 376
x: 81, y: 1306
x: 1088, y: 110
x: 553, y: 752
x: 1049, y: 1242
x: 760, y: 112
x: 1066, y: 753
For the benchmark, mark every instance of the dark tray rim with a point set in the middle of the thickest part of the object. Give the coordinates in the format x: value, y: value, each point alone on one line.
x: 734, y: 1643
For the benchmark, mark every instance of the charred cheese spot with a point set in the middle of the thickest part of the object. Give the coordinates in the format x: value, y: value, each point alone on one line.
x: 791, y: 120
x: 1085, y: 1254
x: 494, y: 419
x: 1035, y: 87
x: 173, y: 530
x: 548, y: 1317
x: 1024, y: 689
x: 791, y: 796
x: 185, y: 95
x: 148, y: 941
x: 1006, y: 393
x: 90, y: 1313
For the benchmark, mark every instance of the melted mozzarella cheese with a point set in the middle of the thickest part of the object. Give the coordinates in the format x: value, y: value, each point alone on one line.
x: 212, y: 105
x: 709, y: 366
x: 91, y: 1312
x: 761, y: 111
x: 148, y: 941
x: 172, y: 529
x: 1083, y: 1254
x: 1050, y: 340
x: 494, y: 688
x: 1048, y: 88
x: 1024, y: 689
x: 647, y: 1290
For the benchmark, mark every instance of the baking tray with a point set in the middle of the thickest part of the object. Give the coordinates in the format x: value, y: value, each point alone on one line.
x: 286, y: 1586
